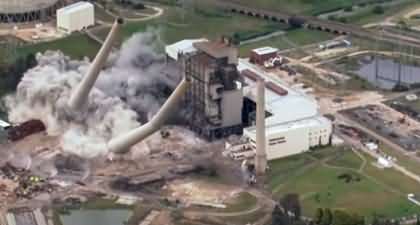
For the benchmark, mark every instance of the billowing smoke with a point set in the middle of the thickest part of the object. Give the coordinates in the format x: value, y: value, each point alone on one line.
x: 140, y: 75
x: 134, y: 84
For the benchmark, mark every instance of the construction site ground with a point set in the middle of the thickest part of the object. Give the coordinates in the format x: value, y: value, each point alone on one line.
x: 220, y: 183
x: 389, y: 123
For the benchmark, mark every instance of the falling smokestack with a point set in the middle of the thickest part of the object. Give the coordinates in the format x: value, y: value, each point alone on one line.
x: 122, y: 143
x: 81, y: 94
x: 261, y: 155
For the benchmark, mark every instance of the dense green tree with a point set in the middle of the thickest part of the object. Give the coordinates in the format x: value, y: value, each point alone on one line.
x: 318, y: 216
x: 343, y: 218
x: 291, y: 204
x: 378, y: 9
x: 279, y: 217
x: 327, y: 217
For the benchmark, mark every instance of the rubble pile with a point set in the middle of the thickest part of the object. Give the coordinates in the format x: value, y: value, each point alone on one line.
x: 27, y: 185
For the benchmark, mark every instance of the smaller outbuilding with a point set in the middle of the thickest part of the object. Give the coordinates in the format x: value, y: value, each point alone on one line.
x: 76, y: 17
x: 261, y: 55
x: 385, y: 163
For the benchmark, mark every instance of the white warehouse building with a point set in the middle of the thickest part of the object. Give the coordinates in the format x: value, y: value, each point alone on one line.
x: 75, y: 17
x: 294, y: 125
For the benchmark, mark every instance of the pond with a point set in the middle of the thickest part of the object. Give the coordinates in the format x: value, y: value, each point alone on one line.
x: 387, y: 72
x: 96, y: 217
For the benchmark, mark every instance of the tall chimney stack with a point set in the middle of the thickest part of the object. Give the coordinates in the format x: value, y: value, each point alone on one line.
x: 81, y: 93
x: 261, y: 155
x: 123, y: 143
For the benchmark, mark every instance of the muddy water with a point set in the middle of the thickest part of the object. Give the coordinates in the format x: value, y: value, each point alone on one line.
x: 387, y: 72
x: 96, y: 217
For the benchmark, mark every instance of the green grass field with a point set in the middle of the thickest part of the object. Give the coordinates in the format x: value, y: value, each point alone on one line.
x: 177, y: 24
x: 76, y: 46
x: 314, y: 176
x: 298, y: 36
x: 174, y: 25
x: 308, y: 7
x: 365, y: 15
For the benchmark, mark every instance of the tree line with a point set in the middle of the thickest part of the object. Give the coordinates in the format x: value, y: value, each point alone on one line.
x: 288, y: 211
x: 11, y: 74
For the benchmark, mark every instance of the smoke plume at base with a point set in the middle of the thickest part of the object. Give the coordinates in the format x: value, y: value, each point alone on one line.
x: 134, y: 86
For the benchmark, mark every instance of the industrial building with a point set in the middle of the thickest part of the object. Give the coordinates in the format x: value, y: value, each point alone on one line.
x: 76, y: 17
x: 293, y: 123
x: 261, y: 55
x: 215, y: 96
x: 22, y: 11
x: 223, y: 101
x: 174, y: 51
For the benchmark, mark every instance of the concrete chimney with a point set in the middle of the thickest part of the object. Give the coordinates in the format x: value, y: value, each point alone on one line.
x: 261, y: 155
x: 123, y: 143
x: 81, y: 94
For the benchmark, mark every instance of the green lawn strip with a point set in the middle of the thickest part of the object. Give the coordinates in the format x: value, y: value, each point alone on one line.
x: 76, y: 46
x: 282, y: 169
x: 346, y: 159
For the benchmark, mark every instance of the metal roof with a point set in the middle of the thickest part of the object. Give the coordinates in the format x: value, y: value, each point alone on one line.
x: 292, y: 125
x: 265, y: 50
x: 184, y: 46
x: 75, y: 7
x: 296, y: 105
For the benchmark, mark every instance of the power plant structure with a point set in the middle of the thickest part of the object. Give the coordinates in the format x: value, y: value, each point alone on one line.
x: 76, y: 17
x: 22, y: 11
x: 223, y: 100
x: 80, y: 95
x: 124, y: 142
x: 215, y: 97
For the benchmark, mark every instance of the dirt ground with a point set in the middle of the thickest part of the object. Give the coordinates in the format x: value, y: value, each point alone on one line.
x: 190, y: 190
x: 33, y: 32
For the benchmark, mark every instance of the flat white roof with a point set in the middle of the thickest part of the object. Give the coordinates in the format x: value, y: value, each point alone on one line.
x: 265, y: 50
x: 184, y: 46
x: 291, y: 125
x: 296, y: 105
x: 76, y: 6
